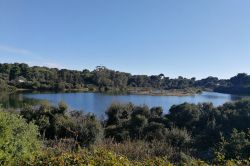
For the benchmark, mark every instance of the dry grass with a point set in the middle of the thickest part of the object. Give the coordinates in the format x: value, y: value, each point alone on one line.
x: 138, y: 150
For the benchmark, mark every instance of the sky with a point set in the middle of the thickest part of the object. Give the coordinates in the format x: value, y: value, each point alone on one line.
x: 190, y: 38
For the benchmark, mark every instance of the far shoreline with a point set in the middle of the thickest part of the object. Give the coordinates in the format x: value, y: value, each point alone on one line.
x: 130, y: 90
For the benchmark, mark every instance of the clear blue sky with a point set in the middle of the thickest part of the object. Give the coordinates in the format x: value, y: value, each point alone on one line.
x: 175, y: 37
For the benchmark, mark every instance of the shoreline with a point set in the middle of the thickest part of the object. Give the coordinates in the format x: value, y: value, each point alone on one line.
x: 171, y: 92
x: 134, y: 91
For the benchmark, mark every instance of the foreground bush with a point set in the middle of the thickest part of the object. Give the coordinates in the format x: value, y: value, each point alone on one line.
x: 59, y: 123
x: 97, y: 157
x: 141, y: 136
x: 235, y: 149
x: 103, y: 157
x: 140, y: 150
x: 18, y: 139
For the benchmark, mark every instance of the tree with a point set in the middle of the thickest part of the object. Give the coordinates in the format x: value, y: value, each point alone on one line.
x: 179, y: 138
x: 57, y: 123
x: 156, y: 111
x: 3, y: 85
x: 60, y: 86
x: 236, y: 146
x: 185, y: 115
x: 14, y: 72
x: 242, y: 79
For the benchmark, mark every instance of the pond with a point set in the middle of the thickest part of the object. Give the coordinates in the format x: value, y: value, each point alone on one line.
x: 97, y: 103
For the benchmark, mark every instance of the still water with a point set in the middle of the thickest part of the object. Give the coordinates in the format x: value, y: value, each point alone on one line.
x: 97, y: 103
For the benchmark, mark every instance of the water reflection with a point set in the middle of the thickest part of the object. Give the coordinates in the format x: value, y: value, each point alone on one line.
x: 16, y: 100
x: 97, y: 102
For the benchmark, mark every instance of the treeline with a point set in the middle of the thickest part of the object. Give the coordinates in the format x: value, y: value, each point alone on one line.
x: 239, y: 84
x: 137, y: 135
x: 43, y: 78
x: 20, y: 75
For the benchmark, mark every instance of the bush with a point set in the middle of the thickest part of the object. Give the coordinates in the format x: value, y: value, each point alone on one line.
x: 57, y: 123
x: 117, y: 113
x: 87, y: 129
x: 96, y: 157
x: 4, y: 87
x: 237, y: 146
x: 18, y: 139
x: 83, y: 157
x: 139, y: 150
x: 178, y: 138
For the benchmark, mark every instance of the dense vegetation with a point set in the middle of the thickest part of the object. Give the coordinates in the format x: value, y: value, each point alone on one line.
x: 102, y: 79
x: 43, y: 78
x: 202, y: 129
x: 239, y: 84
x: 18, y: 140
x: 19, y: 75
x: 130, y: 135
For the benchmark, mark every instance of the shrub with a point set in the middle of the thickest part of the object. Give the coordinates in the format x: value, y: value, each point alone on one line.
x: 57, y: 123
x: 83, y: 157
x: 179, y: 138
x: 96, y: 157
x: 138, y: 150
x: 117, y: 113
x: 237, y: 146
x: 18, y: 139
x: 87, y: 129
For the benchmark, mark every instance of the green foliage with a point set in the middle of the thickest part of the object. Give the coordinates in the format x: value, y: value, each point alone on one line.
x: 56, y: 122
x: 141, y: 122
x: 20, y: 75
x: 203, y: 121
x: 3, y: 85
x: 189, y: 134
x: 118, y: 113
x: 140, y: 150
x: 83, y: 157
x: 135, y: 122
x: 14, y: 72
x: 206, y: 122
x: 236, y: 146
x: 86, y: 129
x: 185, y: 115
x: 156, y: 111
x: 178, y: 138
x: 210, y: 82
x: 62, y: 107
x: 106, y: 80
x: 97, y: 157
x: 18, y: 139
x: 239, y: 84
